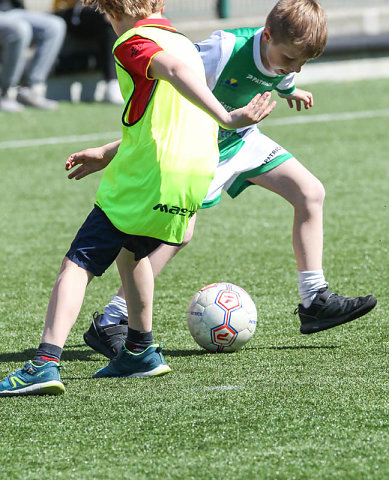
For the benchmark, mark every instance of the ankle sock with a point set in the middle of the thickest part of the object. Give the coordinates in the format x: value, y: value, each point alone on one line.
x: 47, y: 352
x: 138, y: 341
x: 310, y: 282
x: 115, y: 311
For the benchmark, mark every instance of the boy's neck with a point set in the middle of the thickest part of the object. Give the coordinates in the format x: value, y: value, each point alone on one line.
x: 126, y: 23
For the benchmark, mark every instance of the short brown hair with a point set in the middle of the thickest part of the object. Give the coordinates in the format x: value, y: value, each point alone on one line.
x: 299, y: 22
x: 132, y: 8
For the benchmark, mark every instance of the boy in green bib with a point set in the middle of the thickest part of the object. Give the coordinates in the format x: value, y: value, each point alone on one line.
x: 157, y: 178
x: 238, y: 64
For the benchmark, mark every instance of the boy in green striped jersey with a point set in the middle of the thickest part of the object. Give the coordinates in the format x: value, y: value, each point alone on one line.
x: 238, y: 64
x: 157, y: 178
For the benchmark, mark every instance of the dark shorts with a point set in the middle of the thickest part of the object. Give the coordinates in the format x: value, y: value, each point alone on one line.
x: 98, y: 243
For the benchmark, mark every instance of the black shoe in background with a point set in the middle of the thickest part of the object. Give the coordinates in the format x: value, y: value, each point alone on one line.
x: 106, y: 339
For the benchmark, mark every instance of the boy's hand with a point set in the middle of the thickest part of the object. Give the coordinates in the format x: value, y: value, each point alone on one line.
x: 253, y: 112
x: 299, y: 96
x: 90, y: 160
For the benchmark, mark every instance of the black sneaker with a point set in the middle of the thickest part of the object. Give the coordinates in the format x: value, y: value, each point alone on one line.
x: 329, y: 310
x: 106, y: 339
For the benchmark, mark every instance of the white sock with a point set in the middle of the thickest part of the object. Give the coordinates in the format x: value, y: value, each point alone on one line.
x: 310, y: 281
x: 114, y: 311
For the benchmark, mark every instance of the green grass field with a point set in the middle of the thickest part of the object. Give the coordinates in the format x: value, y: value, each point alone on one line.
x: 287, y: 406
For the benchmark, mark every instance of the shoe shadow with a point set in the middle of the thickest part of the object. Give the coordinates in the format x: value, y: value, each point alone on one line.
x: 189, y: 353
x: 296, y: 347
x: 185, y: 353
x: 24, y: 356
x: 81, y: 352
x: 70, y: 353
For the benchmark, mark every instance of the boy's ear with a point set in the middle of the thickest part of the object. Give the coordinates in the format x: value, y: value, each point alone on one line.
x: 266, y: 35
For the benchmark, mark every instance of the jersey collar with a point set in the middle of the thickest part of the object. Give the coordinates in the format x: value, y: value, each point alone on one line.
x: 257, y: 54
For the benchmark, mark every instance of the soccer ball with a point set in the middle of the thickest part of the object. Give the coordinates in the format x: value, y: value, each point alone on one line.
x: 222, y: 317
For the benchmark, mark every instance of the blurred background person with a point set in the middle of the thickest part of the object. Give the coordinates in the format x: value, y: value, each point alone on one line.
x: 87, y: 23
x: 23, y: 79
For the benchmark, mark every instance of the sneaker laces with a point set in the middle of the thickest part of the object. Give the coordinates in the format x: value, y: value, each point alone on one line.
x: 345, y: 304
x: 29, y: 368
x: 352, y: 303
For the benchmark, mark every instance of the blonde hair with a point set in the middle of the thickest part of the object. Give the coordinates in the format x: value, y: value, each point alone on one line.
x: 132, y: 8
x: 301, y: 23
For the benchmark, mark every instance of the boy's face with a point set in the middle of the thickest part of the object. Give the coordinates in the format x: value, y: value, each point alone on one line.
x: 280, y: 58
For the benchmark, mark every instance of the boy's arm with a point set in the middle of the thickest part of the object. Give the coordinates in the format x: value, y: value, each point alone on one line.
x: 299, y: 96
x: 91, y: 160
x: 167, y: 67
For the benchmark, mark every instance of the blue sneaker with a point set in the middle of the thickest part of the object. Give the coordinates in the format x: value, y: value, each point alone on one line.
x: 149, y: 363
x: 33, y: 380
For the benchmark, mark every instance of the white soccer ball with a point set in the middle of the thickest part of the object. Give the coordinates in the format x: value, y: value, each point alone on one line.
x: 222, y: 317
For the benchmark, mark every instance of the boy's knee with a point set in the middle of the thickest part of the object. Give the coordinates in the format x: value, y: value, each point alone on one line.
x: 315, y: 193
x: 320, y: 192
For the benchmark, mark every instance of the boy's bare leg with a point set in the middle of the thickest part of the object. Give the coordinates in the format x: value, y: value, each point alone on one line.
x: 160, y: 257
x: 65, y: 302
x: 138, y: 286
x: 306, y: 194
x: 319, y: 309
x: 41, y: 376
x: 139, y: 357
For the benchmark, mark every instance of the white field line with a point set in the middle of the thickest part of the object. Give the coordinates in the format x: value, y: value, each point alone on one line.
x: 296, y: 119
x: 327, y: 117
x: 39, y: 142
x: 223, y: 387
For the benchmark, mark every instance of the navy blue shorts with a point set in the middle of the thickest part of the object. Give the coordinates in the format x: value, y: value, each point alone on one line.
x: 98, y: 243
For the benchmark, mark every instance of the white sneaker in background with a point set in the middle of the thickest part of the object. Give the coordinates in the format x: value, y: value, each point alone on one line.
x: 112, y: 93
x: 8, y: 102
x: 100, y: 90
x: 75, y: 92
x: 35, y: 96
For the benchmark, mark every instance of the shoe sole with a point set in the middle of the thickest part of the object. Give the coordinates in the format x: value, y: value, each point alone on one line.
x: 54, y: 387
x: 156, y: 372
x: 327, y: 323
x: 98, y: 347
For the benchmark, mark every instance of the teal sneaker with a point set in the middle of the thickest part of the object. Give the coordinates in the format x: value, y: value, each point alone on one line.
x: 33, y: 380
x: 149, y: 363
